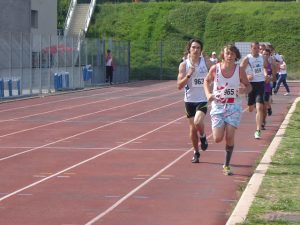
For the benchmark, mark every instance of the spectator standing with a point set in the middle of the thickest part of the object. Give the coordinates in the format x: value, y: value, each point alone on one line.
x: 110, y: 66
x: 213, y: 58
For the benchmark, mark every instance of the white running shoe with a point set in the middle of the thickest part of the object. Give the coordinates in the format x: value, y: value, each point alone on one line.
x: 257, y: 134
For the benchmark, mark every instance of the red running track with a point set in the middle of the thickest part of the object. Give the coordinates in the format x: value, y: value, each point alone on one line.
x: 119, y: 156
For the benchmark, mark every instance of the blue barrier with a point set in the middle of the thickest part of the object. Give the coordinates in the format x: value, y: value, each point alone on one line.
x: 87, y: 72
x: 19, y: 87
x: 10, y: 84
x: 61, y: 80
x: 84, y: 73
x: 1, y: 88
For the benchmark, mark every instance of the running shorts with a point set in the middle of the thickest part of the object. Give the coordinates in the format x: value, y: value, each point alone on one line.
x: 192, y: 107
x: 257, y: 93
x: 225, y: 114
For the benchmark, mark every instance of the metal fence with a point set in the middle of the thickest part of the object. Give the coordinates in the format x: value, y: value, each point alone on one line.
x: 156, y: 59
x: 160, y: 59
x: 36, y: 64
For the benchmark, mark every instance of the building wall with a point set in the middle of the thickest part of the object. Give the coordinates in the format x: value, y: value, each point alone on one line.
x: 47, y: 16
x: 15, y: 15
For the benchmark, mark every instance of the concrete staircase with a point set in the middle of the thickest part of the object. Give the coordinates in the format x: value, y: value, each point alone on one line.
x: 78, y: 19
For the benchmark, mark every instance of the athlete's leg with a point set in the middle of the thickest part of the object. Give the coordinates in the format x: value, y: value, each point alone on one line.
x: 218, y: 134
x: 279, y: 81
x: 230, y: 133
x: 199, y: 122
x: 285, y: 84
x: 259, y: 115
x: 251, y: 108
x: 193, y: 134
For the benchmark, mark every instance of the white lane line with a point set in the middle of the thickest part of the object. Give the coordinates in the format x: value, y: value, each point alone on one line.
x: 60, y: 176
x: 25, y: 194
x: 81, y: 105
x: 140, y: 197
x: 57, y: 101
x: 132, y: 192
x: 83, y: 115
x: 74, y: 98
x: 88, y: 131
x: 112, y: 196
x: 91, y: 158
x: 39, y: 176
x: 129, y: 194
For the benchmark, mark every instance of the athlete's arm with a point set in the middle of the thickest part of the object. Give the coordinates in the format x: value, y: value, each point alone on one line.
x: 244, y: 63
x: 265, y: 67
x: 207, y: 83
x: 274, y: 70
x: 183, y: 76
x: 244, y: 80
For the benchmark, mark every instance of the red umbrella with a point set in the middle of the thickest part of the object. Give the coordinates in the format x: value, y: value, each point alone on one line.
x: 57, y: 48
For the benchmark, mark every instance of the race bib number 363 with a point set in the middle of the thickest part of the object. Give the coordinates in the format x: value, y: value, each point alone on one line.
x: 198, y: 82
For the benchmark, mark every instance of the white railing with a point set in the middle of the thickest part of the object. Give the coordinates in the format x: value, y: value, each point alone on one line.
x: 80, y: 38
x: 89, y: 15
x: 69, y: 16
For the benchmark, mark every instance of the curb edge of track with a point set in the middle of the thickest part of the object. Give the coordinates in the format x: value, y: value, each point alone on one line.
x: 243, y: 205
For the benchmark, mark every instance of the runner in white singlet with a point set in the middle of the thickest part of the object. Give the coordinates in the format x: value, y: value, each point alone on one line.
x: 229, y: 82
x: 192, y: 72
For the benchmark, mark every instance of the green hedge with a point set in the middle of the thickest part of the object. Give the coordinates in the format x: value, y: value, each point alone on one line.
x: 147, y: 25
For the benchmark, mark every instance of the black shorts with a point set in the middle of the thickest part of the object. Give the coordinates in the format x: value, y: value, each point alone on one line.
x: 257, y: 93
x: 192, y: 107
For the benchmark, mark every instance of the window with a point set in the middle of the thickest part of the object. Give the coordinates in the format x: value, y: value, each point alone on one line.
x: 34, y: 19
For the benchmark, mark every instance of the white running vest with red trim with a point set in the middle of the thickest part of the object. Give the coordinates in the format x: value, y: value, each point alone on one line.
x: 225, y: 89
x: 193, y: 91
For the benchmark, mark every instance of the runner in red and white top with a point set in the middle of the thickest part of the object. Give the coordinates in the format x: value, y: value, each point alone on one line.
x: 229, y: 83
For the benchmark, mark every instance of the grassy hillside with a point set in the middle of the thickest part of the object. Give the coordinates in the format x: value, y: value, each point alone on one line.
x: 162, y: 29
x: 277, y: 23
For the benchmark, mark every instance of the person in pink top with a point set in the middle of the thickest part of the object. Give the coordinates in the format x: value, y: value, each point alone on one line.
x: 110, y: 66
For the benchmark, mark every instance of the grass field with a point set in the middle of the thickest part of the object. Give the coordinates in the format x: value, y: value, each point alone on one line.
x: 278, y: 199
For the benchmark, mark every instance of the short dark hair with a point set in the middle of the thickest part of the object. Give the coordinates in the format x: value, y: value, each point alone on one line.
x: 189, y: 44
x: 254, y: 43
